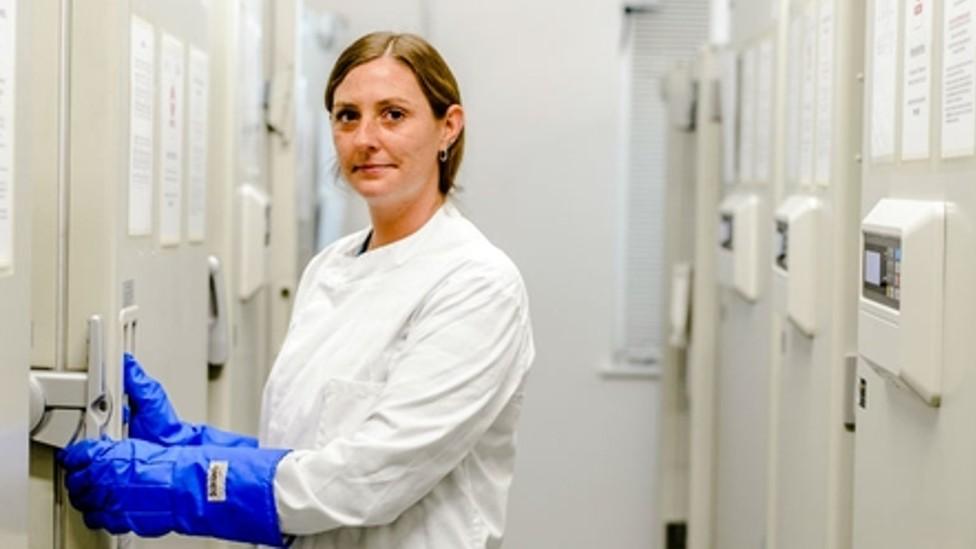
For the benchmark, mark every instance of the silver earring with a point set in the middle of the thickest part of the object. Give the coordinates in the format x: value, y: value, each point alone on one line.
x: 442, y: 155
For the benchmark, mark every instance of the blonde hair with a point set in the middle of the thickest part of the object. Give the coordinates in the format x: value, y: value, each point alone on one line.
x: 434, y: 76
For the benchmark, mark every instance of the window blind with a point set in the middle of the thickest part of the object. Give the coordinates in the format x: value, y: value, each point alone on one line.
x: 656, y: 39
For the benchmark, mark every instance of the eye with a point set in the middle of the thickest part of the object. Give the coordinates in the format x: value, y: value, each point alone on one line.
x: 394, y: 114
x: 345, y: 116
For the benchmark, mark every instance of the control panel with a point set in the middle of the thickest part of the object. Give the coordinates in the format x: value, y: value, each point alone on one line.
x: 796, y: 242
x: 901, y: 303
x: 738, y: 244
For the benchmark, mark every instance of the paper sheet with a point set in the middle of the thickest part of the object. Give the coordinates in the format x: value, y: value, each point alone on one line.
x: 142, y: 69
x: 793, y: 87
x: 825, y: 92
x: 747, y: 145
x: 251, y: 86
x: 883, y: 78
x: 171, y: 100
x: 196, y: 223
x: 958, y: 82
x: 729, y: 92
x: 764, y: 110
x: 808, y: 107
x: 8, y: 57
x: 917, y: 80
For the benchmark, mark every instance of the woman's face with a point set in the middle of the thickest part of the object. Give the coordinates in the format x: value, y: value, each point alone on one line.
x: 385, y: 133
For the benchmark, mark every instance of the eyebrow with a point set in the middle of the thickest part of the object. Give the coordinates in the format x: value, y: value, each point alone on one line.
x: 382, y: 103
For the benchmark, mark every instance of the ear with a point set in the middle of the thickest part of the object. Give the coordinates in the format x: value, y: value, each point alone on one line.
x: 453, y: 124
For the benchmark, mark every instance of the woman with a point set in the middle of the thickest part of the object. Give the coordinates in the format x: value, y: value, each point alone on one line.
x: 388, y: 419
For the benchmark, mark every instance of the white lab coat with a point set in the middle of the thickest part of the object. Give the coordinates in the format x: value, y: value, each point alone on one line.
x: 398, y: 387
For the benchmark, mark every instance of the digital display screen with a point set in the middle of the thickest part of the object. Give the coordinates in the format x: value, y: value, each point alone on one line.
x: 781, y: 244
x: 881, y: 270
x: 872, y: 267
x: 725, y: 232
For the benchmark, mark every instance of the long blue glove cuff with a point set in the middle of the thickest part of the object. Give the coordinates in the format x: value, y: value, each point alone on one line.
x: 151, y: 490
x: 237, y: 502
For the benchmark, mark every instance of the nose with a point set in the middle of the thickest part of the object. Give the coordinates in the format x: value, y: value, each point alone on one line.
x: 365, y: 134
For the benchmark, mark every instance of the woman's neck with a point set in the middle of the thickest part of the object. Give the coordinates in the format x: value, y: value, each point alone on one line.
x: 397, y: 221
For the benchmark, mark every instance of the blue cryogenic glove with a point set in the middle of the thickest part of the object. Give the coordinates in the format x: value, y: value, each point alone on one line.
x: 152, y: 417
x: 151, y: 490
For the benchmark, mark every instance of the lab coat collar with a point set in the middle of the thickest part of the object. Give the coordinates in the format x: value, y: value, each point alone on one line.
x: 396, y: 253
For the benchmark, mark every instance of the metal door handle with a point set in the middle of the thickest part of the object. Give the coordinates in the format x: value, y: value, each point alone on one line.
x: 217, y: 346
x: 62, y: 403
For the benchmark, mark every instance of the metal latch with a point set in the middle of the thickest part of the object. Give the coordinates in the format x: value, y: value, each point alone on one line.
x: 61, y: 403
x: 218, y: 341
x: 850, y: 393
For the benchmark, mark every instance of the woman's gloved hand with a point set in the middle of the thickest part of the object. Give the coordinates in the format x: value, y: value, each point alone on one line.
x: 152, y: 418
x: 151, y: 490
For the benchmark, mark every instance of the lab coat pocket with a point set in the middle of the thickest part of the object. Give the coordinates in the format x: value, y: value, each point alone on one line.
x: 345, y: 406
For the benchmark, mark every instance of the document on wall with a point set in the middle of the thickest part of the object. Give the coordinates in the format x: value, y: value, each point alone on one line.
x: 808, y: 107
x: 253, y: 127
x: 747, y: 145
x: 793, y: 87
x: 729, y: 91
x: 142, y: 70
x: 884, y: 48
x: 196, y: 222
x: 171, y: 100
x: 958, y: 81
x: 8, y: 136
x: 825, y: 92
x: 917, y: 81
x: 764, y: 110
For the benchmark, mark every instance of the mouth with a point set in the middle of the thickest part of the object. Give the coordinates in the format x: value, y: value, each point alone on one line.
x: 372, y: 168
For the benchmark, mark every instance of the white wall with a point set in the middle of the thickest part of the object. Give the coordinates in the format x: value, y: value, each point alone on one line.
x: 540, y: 85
